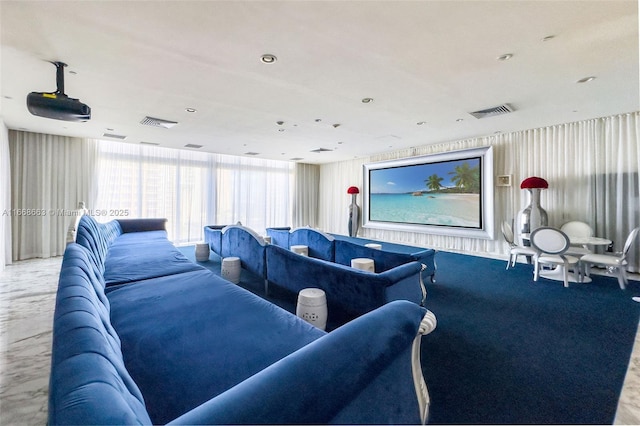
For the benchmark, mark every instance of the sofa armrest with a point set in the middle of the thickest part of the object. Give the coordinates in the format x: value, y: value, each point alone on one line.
x: 405, y: 283
x: 279, y: 235
x: 427, y: 258
x: 142, y: 225
x: 213, y: 237
x: 364, y: 372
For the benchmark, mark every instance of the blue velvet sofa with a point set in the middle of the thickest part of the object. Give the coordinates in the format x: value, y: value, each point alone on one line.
x: 350, y: 292
x: 338, y: 250
x: 168, y: 341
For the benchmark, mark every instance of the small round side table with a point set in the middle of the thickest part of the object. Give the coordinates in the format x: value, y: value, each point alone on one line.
x: 312, y: 307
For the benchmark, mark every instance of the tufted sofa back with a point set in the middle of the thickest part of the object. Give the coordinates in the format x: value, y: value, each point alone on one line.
x: 87, y: 361
x: 245, y: 243
x: 97, y: 237
x: 321, y: 245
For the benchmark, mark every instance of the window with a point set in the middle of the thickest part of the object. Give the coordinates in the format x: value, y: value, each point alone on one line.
x: 191, y: 189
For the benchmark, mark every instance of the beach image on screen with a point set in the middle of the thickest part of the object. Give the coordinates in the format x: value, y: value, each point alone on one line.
x: 443, y: 193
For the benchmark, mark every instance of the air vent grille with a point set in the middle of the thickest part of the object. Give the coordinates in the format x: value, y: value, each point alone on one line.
x: 158, y: 122
x: 296, y: 159
x: 251, y: 153
x: 114, y: 136
x: 192, y: 145
x: 490, y: 112
x: 149, y: 143
x: 321, y: 150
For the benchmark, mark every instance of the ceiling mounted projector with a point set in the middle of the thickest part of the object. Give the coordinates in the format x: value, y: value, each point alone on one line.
x: 57, y: 105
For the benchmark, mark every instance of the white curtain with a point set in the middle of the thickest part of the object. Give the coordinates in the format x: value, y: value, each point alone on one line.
x: 305, y: 212
x: 591, y: 166
x: 5, y: 198
x: 191, y: 189
x: 256, y: 192
x: 50, y: 175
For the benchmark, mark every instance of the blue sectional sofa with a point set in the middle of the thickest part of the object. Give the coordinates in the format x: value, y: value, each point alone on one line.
x: 342, y: 249
x: 350, y: 292
x: 168, y: 341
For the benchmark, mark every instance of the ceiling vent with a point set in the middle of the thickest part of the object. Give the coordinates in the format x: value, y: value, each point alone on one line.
x: 251, y: 153
x: 114, y: 136
x: 321, y: 150
x: 149, y: 143
x: 296, y: 159
x: 158, y: 122
x: 193, y: 145
x: 490, y: 112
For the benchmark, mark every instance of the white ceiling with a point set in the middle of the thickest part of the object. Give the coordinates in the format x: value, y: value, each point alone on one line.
x: 421, y: 61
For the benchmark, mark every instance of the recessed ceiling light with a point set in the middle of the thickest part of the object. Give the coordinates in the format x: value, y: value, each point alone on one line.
x: 505, y: 57
x: 460, y: 119
x: 586, y: 79
x: 268, y: 58
x: 279, y: 123
x: 281, y: 130
x: 421, y: 123
x: 191, y: 110
x: 367, y: 100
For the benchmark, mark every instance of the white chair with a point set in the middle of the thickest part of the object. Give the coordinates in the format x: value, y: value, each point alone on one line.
x: 551, y: 245
x: 515, y: 250
x: 616, y: 261
x: 577, y: 229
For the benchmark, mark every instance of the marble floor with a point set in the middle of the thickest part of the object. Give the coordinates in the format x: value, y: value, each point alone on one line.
x: 27, y: 299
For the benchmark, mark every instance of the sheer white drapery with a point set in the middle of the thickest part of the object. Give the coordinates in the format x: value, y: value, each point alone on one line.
x: 50, y: 175
x: 5, y: 198
x: 191, y: 189
x: 305, y: 212
x: 591, y: 166
x: 256, y: 192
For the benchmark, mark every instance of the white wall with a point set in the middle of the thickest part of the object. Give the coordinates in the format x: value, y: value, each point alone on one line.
x: 5, y: 198
x: 591, y: 166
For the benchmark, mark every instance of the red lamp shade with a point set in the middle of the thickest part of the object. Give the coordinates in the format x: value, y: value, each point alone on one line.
x: 534, y: 182
x: 353, y: 190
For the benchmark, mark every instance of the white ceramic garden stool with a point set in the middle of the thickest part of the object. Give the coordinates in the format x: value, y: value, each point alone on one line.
x: 312, y: 307
x: 202, y: 252
x: 374, y: 246
x: 363, y: 263
x: 230, y: 269
x: 303, y: 250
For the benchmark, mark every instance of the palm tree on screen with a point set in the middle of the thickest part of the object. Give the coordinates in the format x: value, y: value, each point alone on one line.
x: 433, y: 182
x: 466, y: 177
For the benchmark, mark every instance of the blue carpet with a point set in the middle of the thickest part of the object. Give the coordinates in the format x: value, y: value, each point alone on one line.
x: 510, y: 351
